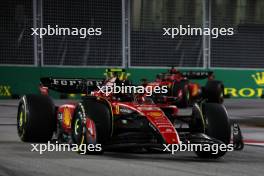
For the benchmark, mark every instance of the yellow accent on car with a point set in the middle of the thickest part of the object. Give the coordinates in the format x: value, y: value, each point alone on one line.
x: 67, y: 117
x: 155, y: 114
x: 82, y: 141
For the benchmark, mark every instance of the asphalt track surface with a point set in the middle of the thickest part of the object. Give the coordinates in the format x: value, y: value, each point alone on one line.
x: 17, y: 159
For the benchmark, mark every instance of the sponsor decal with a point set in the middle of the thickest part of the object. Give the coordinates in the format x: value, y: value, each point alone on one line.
x: 124, y: 110
x: 148, y: 108
x: 5, y: 91
x: 259, y: 78
x: 155, y: 114
x: 67, y: 116
x: 116, y: 109
x: 248, y: 92
x: 75, y: 82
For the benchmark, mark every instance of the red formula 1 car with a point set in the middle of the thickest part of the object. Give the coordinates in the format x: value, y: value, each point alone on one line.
x: 185, y: 92
x: 120, y: 120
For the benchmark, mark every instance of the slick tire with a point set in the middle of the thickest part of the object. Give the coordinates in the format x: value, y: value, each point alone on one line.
x: 217, y: 126
x: 100, y: 114
x: 214, y: 91
x: 36, y: 119
x: 176, y: 87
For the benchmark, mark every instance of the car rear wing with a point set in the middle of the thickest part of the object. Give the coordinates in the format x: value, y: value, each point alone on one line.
x: 190, y: 74
x: 198, y: 74
x: 71, y: 85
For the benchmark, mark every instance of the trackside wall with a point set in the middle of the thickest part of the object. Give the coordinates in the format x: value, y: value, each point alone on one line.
x: 23, y: 80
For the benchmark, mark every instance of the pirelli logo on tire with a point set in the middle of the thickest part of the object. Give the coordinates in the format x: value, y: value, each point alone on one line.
x: 248, y: 92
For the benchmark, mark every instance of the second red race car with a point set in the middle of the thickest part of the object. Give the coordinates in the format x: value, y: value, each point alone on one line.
x: 185, y: 91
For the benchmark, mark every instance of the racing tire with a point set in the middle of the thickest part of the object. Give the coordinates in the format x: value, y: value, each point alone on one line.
x: 214, y: 91
x: 197, y: 124
x: 98, y: 115
x: 36, y: 119
x: 217, y: 126
x: 183, y: 86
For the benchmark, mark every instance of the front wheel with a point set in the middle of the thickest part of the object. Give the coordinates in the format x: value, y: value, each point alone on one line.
x: 217, y: 126
x: 91, y: 125
x: 84, y: 133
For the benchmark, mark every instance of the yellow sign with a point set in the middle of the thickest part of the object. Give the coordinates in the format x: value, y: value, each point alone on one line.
x: 5, y: 91
x: 244, y: 92
x: 259, y: 78
x: 248, y: 92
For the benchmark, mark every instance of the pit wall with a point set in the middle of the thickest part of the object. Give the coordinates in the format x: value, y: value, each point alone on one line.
x: 24, y: 80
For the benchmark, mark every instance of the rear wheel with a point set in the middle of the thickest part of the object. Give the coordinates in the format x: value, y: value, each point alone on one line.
x: 217, y: 126
x: 214, y: 91
x: 36, y: 120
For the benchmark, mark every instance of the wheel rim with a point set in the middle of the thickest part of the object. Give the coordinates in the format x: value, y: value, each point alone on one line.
x: 21, y: 120
x: 78, y: 130
x: 83, y: 129
x: 20, y: 123
x: 77, y: 127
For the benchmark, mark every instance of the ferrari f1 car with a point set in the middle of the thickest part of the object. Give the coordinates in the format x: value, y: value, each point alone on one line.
x: 120, y: 120
x: 187, y: 92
